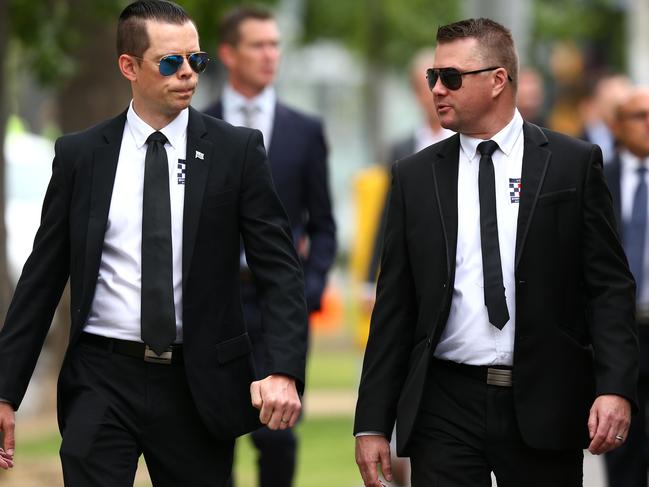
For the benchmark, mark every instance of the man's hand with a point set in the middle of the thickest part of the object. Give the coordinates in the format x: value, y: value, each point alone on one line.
x: 372, y: 450
x: 7, y: 424
x: 277, y: 400
x: 609, y: 421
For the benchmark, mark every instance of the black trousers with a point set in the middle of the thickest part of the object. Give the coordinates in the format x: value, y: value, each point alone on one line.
x: 115, y: 408
x: 467, y: 429
x: 277, y: 450
x: 628, y: 465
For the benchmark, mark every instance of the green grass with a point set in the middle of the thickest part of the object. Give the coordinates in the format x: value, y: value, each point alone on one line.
x: 326, y: 456
x: 333, y: 369
x: 39, y: 447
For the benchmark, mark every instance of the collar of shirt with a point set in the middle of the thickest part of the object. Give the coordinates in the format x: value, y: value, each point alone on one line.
x: 631, y: 163
x: 233, y: 100
x: 175, y: 131
x: 505, y: 139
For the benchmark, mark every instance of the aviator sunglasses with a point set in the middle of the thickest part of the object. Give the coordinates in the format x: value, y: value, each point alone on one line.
x: 451, y: 77
x: 171, y: 63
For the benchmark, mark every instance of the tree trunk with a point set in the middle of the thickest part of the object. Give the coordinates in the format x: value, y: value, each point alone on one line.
x: 5, y: 288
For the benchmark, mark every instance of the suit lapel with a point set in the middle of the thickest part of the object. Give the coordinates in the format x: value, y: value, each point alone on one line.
x: 279, y: 132
x: 445, y: 174
x: 614, y: 179
x: 199, y: 153
x: 536, y: 158
x: 104, y: 165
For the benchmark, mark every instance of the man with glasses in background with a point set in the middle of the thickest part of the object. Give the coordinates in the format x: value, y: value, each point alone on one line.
x: 627, y: 177
x: 297, y: 155
x: 144, y: 213
x: 503, y: 338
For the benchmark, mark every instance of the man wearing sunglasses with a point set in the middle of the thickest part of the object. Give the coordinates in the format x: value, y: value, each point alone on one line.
x: 297, y: 154
x: 502, y: 340
x: 144, y: 213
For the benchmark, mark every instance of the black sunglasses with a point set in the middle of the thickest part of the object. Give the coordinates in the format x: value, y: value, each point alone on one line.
x: 451, y: 77
x: 171, y: 63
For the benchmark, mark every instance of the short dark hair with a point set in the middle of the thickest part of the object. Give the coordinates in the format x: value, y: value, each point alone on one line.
x: 132, y: 37
x: 496, y: 42
x: 232, y: 20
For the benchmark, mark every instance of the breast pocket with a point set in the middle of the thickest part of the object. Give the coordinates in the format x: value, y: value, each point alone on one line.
x: 556, y: 197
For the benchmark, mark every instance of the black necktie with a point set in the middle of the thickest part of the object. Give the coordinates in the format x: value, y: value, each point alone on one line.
x: 158, y: 318
x: 635, y: 231
x: 494, y: 291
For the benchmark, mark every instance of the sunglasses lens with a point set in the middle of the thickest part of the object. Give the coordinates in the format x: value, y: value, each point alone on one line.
x: 431, y: 76
x: 451, y: 78
x: 198, y: 61
x: 170, y: 64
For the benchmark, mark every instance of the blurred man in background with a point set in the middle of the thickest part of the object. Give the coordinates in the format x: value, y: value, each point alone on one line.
x: 628, y: 180
x: 531, y: 96
x: 297, y: 152
x: 598, y: 112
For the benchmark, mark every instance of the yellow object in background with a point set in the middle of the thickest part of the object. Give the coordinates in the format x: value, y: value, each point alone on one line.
x: 370, y: 188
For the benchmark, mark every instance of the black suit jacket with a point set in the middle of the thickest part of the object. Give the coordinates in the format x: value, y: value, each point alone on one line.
x: 575, y: 333
x: 228, y: 193
x: 298, y: 161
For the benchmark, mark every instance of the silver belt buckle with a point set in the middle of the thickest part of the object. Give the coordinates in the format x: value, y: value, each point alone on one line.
x: 499, y: 377
x: 163, y: 358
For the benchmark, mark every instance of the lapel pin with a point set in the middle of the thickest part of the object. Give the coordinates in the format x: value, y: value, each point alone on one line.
x: 200, y: 155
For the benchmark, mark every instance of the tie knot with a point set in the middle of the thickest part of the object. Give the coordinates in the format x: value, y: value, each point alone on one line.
x: 157, y: 137
x: 487, y: 148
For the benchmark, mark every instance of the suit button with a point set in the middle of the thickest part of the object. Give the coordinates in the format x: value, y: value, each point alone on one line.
x: 429, y: 342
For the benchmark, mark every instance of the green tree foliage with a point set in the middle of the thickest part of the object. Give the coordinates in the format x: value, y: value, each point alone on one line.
x: 383, y: 31
x: 596, y: 25
x: 50, y: 31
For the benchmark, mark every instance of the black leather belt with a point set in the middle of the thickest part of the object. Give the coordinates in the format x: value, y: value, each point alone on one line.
x: 172, y: 355
x: 496, y: 375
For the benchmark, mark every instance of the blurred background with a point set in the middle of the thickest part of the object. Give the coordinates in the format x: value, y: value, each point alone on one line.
x: 346, y: 61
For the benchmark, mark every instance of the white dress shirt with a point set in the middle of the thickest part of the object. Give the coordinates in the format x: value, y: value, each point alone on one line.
x: 628, y: 183
x: 115, y: 310
x: 468, y: 337
x: 263, y: 106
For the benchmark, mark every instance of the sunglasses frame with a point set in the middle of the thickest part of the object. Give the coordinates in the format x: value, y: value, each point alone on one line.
x: 188, y: 56
x: 433, y: 74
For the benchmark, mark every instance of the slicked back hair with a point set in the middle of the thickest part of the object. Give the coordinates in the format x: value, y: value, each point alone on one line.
x: 496, y: 44
x: 231, y: 22
x: 132, y: 37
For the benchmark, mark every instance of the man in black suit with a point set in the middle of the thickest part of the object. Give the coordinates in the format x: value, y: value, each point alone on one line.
x: 503, y: 337
x: 144, y: 214
x: 627, y: 177
x: 297, y: 154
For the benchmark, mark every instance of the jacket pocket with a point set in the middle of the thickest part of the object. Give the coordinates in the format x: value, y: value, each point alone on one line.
x: 233, y: 348
x: 555, y: 197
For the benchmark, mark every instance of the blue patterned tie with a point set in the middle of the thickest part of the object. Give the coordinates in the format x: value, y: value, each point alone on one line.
x: 635, y: 230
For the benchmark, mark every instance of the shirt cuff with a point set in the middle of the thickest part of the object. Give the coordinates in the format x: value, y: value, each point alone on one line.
x: 369, y: 433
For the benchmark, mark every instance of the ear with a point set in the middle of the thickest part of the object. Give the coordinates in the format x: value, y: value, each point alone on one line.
x: 500, y: 81
x: 128, y: 66
x: 227, y: 55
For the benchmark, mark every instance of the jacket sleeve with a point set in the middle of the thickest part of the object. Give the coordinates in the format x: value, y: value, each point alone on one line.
x: 610, y: 290
x: 385, y: 364
x: 38, y: 290
x: 274, y: 263
x: 321, y: 228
